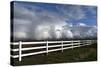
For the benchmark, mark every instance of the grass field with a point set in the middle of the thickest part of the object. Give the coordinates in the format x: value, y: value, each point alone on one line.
x: 80, y: 54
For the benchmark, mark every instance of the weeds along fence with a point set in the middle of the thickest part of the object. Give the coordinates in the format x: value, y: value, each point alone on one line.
x: 46, y: 45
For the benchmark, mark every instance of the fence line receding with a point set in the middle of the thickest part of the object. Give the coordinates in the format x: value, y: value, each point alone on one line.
x: 62, y: 45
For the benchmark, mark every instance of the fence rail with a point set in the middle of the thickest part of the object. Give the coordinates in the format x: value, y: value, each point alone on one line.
x: 61, y: 44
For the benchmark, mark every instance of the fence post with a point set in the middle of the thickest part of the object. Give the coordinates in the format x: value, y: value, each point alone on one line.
x: 72, y: 44
x: 62, y: 46
x: 79, y: 43
x: 90, y: 42
x: 20, y: 52
x: 47, y: 47
x: 87, y: 42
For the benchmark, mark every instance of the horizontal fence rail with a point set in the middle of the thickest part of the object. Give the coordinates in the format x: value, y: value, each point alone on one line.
x: 62, y: 45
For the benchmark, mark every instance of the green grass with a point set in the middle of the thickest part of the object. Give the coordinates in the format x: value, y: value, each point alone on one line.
x: 80, y: 54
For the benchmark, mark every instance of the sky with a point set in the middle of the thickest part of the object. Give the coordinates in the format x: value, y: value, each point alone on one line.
x: 40, y: 21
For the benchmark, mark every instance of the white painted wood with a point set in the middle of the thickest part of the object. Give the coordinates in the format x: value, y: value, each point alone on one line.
x: 15, y: 43
x: 54, y: 50
x: 35, y: 53
x: 29, y: 48
x: 40, y: 47
x: 79, y: 44
x: 72, y: 44
x: 41, y: 42
x: 62, y: 46
x: 47, y: 47
x: 20, y: 52
x: 28, y: 54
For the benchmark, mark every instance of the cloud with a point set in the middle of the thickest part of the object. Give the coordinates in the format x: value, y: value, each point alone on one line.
x: 93, y: 31
x: 36, y: 25
x: 81, y: 24
x: 82, y: 30
x: 33, y: 22
x: 72, y: 12
x: 20, y: 34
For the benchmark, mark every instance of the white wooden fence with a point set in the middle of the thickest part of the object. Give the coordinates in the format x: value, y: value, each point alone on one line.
x: 71, y: 44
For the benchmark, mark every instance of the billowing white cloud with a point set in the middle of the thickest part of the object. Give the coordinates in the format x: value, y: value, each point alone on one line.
x: 82, y: 30
x: 38, y: 24
x: 20, y: 34
x: 81, y: 24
